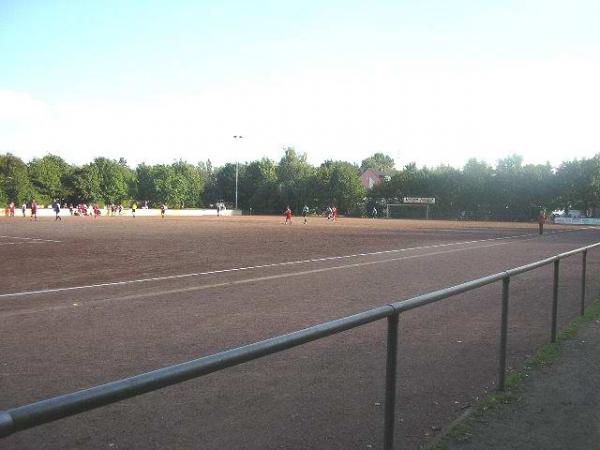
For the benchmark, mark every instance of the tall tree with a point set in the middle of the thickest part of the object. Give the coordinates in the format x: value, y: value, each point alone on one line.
x: 259, y: 186
x: 579, y: 183
x: 294, y: 174
x: 192, y: 181
x: 115, y: 179
x: 340, y: 185
x: 474, y: 195
x: 146, y: 183
x: 15, y: 183
x: 225, y: 182
x: 86, y: 182
x: 48, y: 176
x: 378, y: 161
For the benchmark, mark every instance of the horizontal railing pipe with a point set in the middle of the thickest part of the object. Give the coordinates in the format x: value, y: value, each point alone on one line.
x: 45, y: 411
x: 528, y: 267
x: 577, y: 250
x: 442, y: 294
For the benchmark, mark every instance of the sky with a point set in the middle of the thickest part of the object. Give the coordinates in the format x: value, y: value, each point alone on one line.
x: 431, y: 82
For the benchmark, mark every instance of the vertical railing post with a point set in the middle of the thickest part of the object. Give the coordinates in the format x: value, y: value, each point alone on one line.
x: 555, y: 301
x: 583, y: 270
x: 503, y: 333
x: 390, y: 382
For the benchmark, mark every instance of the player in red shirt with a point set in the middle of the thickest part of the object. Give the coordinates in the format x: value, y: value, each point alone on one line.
x: 34, y: 207
x: 333, y: 213
x: 288, y: 215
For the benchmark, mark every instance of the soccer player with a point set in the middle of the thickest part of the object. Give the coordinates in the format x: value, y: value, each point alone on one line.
x: 541, y: 221
x: 288, y: 216
x: 329, y: 211
x: 162, y: 210
x: 56, y: 208
x: 24, y: 209
x: 34, y: 207
x: 305, y: 211
x: 133, y: 208
x: 374, y: 213
x: 11, y: 208
x: 333, y: 213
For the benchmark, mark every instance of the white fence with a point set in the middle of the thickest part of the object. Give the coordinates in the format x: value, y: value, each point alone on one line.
x: 64, y: 212
x: 577, y: 221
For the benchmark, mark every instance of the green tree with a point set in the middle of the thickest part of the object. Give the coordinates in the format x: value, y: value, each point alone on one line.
x: 474, y: 194
x: 48, y: 176
x: 115, y: 179
x: 378, y: 161
x: 340, y: 185
x: 146, y: 183
x: 191, y: 181
x: 15, y: 184
x: 445, y: 184
x: 579, y: 183
x: 295, y: 176
x: 225, y: 182
x: 86, y: 183
x: 259, y: 186
x: 178, y: 185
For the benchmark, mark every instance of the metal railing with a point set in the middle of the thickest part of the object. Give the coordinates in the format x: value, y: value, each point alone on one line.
x: 34, y: 414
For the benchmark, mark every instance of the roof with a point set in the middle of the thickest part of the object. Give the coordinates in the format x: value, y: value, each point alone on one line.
x: 379, y: 173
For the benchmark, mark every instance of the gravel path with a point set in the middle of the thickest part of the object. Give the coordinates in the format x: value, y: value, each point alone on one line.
x: 558, y: 406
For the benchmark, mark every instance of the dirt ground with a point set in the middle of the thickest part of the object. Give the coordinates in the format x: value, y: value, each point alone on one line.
x: 557, y: 407
x: 88, y: 301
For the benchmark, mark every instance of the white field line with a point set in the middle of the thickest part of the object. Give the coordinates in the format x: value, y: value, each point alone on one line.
x: 22, y: 243
x: 157, y: 293
x: 29, y: 239
x: 264, y: 266
x: 481, y: 230
x: 261, y: 266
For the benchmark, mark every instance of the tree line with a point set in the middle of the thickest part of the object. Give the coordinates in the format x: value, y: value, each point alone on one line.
x: 509, y: 190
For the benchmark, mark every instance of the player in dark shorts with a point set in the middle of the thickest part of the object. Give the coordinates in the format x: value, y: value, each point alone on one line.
x: 56, y: 208
x: 288, y: 216
x: 162, y: 210
x: 34, y: 207
x: 541, y: 221
x: 305, y: 211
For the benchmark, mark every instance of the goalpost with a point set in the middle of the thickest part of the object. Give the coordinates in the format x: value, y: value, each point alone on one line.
x: 406, y: 211
x: 412, y: 208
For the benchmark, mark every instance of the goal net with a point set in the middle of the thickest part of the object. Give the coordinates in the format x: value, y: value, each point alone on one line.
x: 407, y: 211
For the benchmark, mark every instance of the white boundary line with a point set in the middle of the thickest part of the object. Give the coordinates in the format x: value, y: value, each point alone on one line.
x: 22, y: 243
x: 264, y: 266
x: 29, y: 239
x: 261, y: 266
x: 158, y: 293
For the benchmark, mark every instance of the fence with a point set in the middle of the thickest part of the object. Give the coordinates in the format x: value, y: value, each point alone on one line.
x: 34, y: 414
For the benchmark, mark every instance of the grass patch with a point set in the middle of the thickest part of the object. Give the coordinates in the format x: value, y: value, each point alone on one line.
x: 544, y: 357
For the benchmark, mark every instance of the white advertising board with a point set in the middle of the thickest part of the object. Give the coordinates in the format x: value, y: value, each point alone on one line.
x: 577, y: 221
x: 64, y: 212
x: 420, y: 200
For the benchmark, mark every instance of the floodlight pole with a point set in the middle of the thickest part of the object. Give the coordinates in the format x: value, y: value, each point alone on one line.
x: 236, y: 175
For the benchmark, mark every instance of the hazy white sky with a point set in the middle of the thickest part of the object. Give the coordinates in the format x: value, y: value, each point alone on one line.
x: 436, y: 83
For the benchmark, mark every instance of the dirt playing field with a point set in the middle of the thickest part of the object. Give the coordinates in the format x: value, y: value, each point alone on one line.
x: 85, y: 301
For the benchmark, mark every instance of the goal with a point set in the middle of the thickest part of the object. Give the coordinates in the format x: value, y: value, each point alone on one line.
x: 407, y: 211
